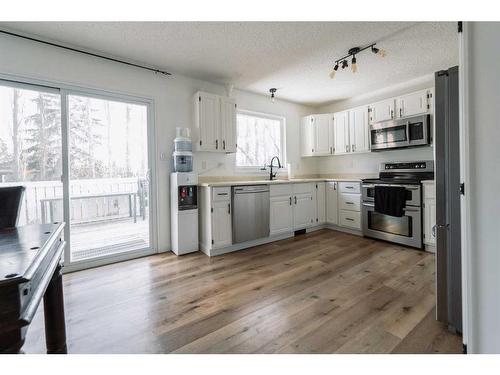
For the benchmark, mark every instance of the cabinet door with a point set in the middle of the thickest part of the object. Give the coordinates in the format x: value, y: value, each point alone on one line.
x: 221, y: 224
x: 341, y: 128
x: 331, y: 133
x: 429, y: 221
x: 359, y: 130
x: 208, y: 109
x: 382, y: 111
x: 413, y: 104
x: 320, y: 203
x: 228, y: 124
x: 281, y: 211
x: 303, y: 211
x: 321, y: 135
x: 332, y: 214
x: 307, y: 136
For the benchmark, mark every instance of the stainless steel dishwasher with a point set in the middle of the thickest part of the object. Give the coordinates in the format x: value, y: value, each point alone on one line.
x: 250, y: 212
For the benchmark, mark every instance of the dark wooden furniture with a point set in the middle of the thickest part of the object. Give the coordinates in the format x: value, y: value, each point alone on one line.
x: 30, y: 269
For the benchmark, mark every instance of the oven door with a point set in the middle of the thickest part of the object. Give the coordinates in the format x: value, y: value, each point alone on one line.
x: 413, y: 195
x: 406, y: 230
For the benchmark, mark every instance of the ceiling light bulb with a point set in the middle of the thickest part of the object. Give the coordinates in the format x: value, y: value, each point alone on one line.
x: 354, y: 66
x: 272, y: 98
x: 382, y: 53
x: 335, y: 68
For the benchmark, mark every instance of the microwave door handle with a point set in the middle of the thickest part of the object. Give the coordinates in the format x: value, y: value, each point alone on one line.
x: 408, y: 132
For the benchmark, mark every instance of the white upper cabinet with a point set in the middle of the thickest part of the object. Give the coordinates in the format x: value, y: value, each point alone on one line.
x: 382, y: 111
x: 321, y: 135
x: 413, y: 104
x: 341, y: 129
x: 215, y: 118
x: 359, y: 129
x: 307, y: 136
x: 228, y: 124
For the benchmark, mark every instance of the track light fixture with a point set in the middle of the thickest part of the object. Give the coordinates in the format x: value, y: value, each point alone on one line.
x: 352, y: 53
x: 273, y: 92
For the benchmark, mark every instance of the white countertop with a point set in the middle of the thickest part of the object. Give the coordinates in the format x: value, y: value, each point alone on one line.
x: 273, y: 182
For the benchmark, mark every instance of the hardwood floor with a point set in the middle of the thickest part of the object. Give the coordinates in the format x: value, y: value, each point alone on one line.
x: 323, y: 292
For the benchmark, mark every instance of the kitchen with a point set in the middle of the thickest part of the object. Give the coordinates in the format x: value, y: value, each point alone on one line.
x: 289, y: 213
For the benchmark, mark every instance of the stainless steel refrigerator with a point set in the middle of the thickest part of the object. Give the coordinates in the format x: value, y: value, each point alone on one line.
x: 447, y: 175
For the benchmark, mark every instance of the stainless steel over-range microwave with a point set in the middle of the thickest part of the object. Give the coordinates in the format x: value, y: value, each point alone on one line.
x: 408, y: 132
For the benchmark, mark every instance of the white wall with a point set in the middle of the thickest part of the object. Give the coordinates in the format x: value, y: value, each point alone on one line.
x: 484, y: 189
x: 172, y: 97
x: 369, y: 163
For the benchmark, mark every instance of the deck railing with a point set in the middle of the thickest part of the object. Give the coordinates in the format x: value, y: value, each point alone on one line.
x: 99, y: 207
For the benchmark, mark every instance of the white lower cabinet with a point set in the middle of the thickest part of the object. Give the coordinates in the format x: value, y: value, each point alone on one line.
x: 332, y: 213
x: 429, y: 213
x: 281, y: 211
x: 320, y: 203
x: 221, y: 224
x: 303, y: 211
x: 350, y: 205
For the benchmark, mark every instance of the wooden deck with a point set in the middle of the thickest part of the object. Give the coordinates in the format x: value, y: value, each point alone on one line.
x: 324, y: 292
x: 108, y: 237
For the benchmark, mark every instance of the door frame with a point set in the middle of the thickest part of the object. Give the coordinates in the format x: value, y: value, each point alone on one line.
x: 64, y: 90
x: 465, y: 207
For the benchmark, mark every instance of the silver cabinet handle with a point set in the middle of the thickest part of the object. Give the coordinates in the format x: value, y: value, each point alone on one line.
x: 331, y: 150
x: 348, y: 218
x: 334, y: 186
x: 400, y: 112
x: 216, y: 144
x: 392, y: 113
x: 223, y: 144
x: 229, y: 208
x: 433, y: 231
x: 353, y: 148
x: 290, y: 201
x: 295, y: 199
x: 346, y: 148
x: 349, y: 202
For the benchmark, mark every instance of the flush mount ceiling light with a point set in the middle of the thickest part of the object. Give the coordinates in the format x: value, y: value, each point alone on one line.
x: 352, y: 53
x: 273, y: 92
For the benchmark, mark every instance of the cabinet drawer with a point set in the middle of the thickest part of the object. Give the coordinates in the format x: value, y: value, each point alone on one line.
x: 280, y: 190
x: 350, y: 219
x: 221, y: 193
x: 350, y: 187
x: 302, y: 188
x: 350, y: 202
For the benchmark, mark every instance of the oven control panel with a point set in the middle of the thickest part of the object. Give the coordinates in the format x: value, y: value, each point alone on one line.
x: 408, y: 166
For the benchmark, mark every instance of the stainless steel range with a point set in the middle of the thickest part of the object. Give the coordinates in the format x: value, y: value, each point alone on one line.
x: 407, y: 229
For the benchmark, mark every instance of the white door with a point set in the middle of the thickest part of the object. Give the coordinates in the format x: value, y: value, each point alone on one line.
x: 341, y: 128
x: 281, y: 211
x: 221, y: 224
x: 228, y: 124
x: 413, y: 104
x: 303, y: 211
x: 321, y: 134
x: 208, y: 122
x: 358, y: 129
x: 382, y: 111
x: 320, y: 203
x: 307, y: 136
x: 332, y: 215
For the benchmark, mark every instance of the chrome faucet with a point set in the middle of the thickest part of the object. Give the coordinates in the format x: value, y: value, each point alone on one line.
x: 271, y: 174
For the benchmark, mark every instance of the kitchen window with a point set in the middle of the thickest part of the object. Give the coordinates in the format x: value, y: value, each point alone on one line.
x: 259, y: 138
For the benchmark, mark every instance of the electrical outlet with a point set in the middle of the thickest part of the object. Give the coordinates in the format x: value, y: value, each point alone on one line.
x: 203, y: 164
x: 163, y: 156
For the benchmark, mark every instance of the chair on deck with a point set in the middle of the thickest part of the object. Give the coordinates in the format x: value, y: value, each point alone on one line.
x: 143, y: 193
x: 10, y: 205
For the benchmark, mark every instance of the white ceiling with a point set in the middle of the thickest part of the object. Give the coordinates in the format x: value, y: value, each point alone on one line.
x: 255, y: 56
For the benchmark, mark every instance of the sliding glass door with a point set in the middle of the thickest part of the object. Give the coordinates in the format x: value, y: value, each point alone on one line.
x: 83, y: 158
x: 30, y: 147
x: 108, y: 177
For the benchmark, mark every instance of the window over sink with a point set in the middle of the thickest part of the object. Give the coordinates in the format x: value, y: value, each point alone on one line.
x: 259, y: 138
